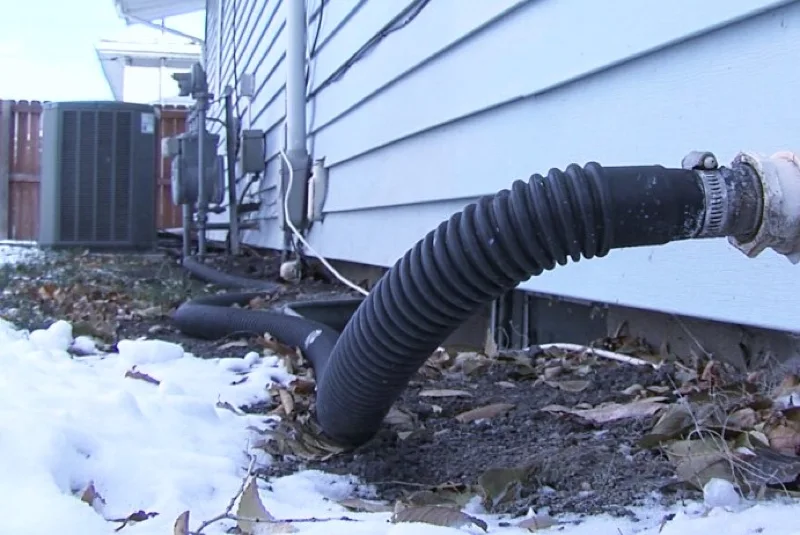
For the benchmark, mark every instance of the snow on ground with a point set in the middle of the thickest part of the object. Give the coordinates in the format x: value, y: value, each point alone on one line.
x: 67, y: 422
x: 12, y: 252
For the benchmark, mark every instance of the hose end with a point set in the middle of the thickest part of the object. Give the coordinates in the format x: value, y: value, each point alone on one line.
x: 779, y: 224
x: 733, y: 197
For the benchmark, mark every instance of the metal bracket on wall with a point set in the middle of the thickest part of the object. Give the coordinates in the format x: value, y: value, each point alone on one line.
x: 520, y: 319
x: 317, y: 190
x: 510, y: 324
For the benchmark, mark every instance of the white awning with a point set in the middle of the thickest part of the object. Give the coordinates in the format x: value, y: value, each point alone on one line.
x: 174, y: 55
x: 151, y: 10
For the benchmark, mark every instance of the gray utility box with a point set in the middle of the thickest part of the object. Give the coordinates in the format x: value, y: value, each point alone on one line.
x: 183, y: 149
x: 98, y: 185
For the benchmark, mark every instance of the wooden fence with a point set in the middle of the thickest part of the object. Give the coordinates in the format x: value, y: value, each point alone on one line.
x: 20, y: 168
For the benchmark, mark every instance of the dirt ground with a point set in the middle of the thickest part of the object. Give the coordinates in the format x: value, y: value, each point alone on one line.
x: 570, y: 465
x: 543, y: 435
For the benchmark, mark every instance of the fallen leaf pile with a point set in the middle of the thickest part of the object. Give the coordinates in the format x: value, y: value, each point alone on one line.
x: 741, y: 432
x: 94, y: 292
x: 296, y: 434
x: 93, y: 310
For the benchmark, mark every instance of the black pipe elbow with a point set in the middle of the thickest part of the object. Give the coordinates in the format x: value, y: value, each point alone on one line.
x: 496, y: 243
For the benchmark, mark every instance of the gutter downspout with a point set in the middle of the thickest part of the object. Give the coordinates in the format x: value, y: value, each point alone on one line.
x: 296, y: 132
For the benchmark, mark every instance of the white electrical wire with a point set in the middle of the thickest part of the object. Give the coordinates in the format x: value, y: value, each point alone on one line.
x: 300, y: 236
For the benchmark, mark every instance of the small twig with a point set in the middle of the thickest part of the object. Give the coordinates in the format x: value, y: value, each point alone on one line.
x: 291, y: 520
x: 227, y: 514
x: 691, y: 335
x: 604, y: 353
x: 134, y: 518
x: 402, y: 484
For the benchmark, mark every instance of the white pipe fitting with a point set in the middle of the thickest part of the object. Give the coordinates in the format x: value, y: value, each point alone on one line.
x: 780, y: 221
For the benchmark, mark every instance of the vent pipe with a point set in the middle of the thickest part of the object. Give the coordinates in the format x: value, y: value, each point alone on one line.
x: 296, y: 132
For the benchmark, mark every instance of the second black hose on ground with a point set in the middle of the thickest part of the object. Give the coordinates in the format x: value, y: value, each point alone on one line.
x: 218, y: 316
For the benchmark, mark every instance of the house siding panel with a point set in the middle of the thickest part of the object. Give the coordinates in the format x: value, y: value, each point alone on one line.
x: 458, y: 103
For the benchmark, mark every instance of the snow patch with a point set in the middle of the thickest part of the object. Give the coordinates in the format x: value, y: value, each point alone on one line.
x: 168, y: 445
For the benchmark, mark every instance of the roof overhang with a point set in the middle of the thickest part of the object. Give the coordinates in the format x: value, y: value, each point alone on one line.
x: 136, y: 11
x: 115, y: 55
x: 166, y: 54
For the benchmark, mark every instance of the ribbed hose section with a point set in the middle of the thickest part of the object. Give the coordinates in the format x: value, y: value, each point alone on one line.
x: 475, y: 257
x: 226, y: 280
x: 213, y: 317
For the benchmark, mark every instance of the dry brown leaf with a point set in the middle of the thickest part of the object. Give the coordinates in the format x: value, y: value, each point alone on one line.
x: 743, y: 419
x: 231, y: 345
x: 499, y: 485
x: 490, y: 348
x: 470, y: 363
x: 228, y: 407
x: 438, y: 516
x: 303, y: 387
x: 484, y: 413
x: 537, y: 522
x: 447, y: 495
x: 784, y: 439
x: 444, y: 393
x: 551, y: 372
x: 91, y: 497
x: 272, y: 344
x: 133, y: 373
x: 633, y: 389
x: 569, y: 386
x: 399, y: 418
x: 181, y: 525
x: 359, y: 505
x: 698, y: 461
x: 287, y: 401
x: 301, y: 439
x: 257, y: 302
x: 251, y: 511
x: 673, y: 422
x: 609, y: 412
x: 759, y: 437
x: 134, y: 518
x: 149, y: 312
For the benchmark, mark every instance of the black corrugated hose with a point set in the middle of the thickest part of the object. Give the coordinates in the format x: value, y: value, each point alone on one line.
x: 482, y: 252
x: 218, y: 316
x: 226, y: 280
x: 487, y: 250
x: 215, y: 316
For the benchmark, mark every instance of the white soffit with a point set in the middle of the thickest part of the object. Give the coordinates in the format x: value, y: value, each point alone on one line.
x: 151, y: 10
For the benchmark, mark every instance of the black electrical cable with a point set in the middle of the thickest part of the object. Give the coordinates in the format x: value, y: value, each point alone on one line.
x: 313, y: 50
x: 234, y: 58
x: 398, y: 23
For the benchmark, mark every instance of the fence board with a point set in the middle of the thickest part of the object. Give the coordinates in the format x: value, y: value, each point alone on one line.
x: 23, y: 166
x: 173, y: 121
x: 6, y: 141
x: 25, y: 170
